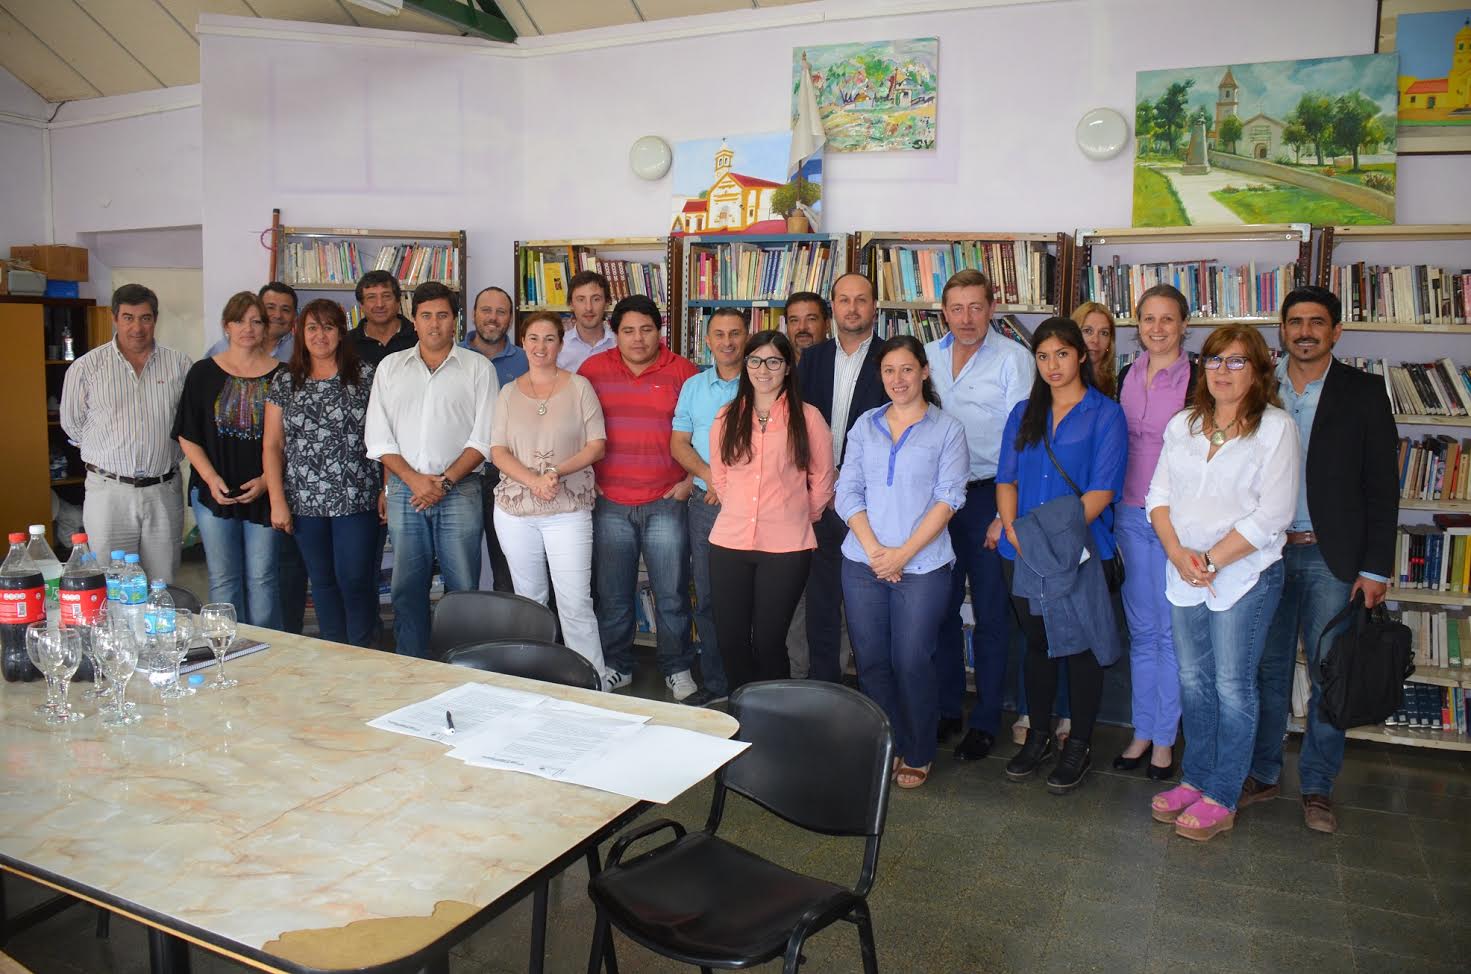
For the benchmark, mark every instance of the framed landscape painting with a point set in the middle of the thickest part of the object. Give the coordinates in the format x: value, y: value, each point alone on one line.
x: 873, y: 96
x: 1309, y: 141
x: 1433, y: 40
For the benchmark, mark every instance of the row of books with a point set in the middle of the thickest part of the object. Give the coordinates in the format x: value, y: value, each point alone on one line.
x: 1433, y: 708
x: 1213, y: 290
x: 340, y: 262
x: 762, y: 319
x: 1435, y: 468
x: 1421, y: 294
x: 1440, y: 388
x: 1434, y: 558
x: 545, y: 274
x: 1023, y: 271
x: 1441, y: 637
x: 752, y: 272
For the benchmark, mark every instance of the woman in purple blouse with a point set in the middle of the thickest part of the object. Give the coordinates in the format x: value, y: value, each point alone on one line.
x: 1152, y: 388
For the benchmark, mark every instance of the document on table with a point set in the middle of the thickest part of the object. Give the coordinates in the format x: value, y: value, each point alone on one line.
x: 473, y: 705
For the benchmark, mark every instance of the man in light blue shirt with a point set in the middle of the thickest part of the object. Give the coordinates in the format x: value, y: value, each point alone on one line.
x: 700, y: 399
x: 980, y: 375
x: 280, y: 302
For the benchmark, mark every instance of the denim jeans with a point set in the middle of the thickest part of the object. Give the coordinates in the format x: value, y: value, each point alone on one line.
x: 982, y: 567
x: 450, y: 532
x: 338, y: 552
x: 500, y: 570
x: 1219, y: 654
x: 291, y: 579
x: 701, y: 519
x: 895, y: 628
x: 1154, y: 673
x: 1311, y: 596
x: 241, y: 557
x: 657, y: 532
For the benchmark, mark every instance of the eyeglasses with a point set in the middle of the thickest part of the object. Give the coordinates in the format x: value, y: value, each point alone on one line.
x: 772, y: 364
x: 1234, y: 362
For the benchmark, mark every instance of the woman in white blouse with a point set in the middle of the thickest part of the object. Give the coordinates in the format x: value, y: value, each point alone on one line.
x: 1222, y: 497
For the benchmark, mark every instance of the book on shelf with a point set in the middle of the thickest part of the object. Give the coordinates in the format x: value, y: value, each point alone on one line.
x: 340, y: 262
x: 762, y: 319
x: 1435, y: 557
x: 759, y: 271
x: 1441, y: 637
x: 1023, y: 271
x: 1440, y: 388
x: 1435, y: 468
x: 929, y: 326
x: 1213, y: 289
x: 545, y: 272
x: 1409, y: 293
x: 1428, y: 707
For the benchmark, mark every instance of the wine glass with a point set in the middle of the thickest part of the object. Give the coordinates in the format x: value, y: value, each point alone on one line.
x: 217, y: 622
x: 35, y: 635
x: 61, y: 654
x: 119, y: 654
x: 177, y: 689
x: 89, y: 647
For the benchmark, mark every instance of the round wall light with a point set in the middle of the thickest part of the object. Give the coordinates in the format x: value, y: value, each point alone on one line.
x: 649, y: 157
x: 1102, y: 133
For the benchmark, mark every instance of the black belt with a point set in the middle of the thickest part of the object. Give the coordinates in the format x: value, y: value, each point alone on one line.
x: 132, y: 481
x: 991, y: 481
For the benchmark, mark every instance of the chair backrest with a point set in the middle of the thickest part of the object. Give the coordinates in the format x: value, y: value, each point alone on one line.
x: 531, y: 658
x: 820, y: 755
x: 478, y: 617
x: 185, y: 599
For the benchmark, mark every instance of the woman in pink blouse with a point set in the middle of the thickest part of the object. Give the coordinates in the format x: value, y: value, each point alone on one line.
x: 774, y: 477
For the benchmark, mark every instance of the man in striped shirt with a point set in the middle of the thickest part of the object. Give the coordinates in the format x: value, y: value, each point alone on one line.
x: 117, y: 405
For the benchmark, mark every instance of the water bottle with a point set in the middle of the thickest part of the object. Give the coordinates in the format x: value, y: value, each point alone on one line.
x: 135, y: 594
x: 114, y: 576
x: 158, y: 633
x: 49, y: 566
x: 83, y: 586
x: 22, y: 602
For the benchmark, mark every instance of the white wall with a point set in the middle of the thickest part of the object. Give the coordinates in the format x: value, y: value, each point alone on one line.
x: 23, y: 196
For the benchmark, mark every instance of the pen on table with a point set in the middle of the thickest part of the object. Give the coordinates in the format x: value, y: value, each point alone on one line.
x: 449, y: 721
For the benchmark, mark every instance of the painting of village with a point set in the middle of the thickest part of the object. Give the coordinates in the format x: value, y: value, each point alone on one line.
x: 1434, y: 50
x: 738, y: 184
x: 1309, y: 141
x: 874, y: 96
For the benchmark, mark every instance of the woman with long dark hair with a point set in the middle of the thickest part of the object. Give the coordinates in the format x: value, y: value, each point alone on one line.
x: 1067, y: 440
x: 904, y: 477
x: 324, y: 489
x: 771, y: 464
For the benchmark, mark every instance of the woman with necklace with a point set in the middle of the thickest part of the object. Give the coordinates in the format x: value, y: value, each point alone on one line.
x: 1221, y: 499
x: 771, y: 463
x: 904, y: 477
x: 323, y: 488
x: 546, y: 435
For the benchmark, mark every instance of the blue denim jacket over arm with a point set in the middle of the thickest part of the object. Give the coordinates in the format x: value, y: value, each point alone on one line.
x: 1073, y: 599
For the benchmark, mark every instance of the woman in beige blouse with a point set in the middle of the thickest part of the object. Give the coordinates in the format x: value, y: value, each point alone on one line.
x: 546, y: 435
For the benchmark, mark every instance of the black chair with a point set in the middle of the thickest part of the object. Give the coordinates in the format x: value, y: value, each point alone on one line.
x: 478, y: 617
x: 531, y: 658
x: 819, y: 758
x: 185, y: 599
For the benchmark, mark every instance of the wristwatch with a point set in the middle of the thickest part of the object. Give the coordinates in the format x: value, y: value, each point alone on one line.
x: 1210, y: 563
x: 445, y: 484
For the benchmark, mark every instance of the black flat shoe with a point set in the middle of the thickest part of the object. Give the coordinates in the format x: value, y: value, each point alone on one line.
x: 1122, y: 763
x: 1156, y: 773
x: 1071, y: 767
x: 974, y: 746
x: 1034, y: 752
x: 947, y: 728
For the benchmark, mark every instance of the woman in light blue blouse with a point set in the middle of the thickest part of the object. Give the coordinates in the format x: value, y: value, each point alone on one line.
x: 903, y: 478
x: 1066, y: 439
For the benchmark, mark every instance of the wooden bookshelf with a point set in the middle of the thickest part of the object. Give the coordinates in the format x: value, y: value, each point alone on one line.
x: 1412, y: 419
x: 610, y: 256
x: 1447, y: 740
x: 1426, y: 596
x: 1333, y: 237
x: 1419, y: 505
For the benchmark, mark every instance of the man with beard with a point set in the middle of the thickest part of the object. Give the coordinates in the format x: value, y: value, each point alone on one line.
x: 489, y: 337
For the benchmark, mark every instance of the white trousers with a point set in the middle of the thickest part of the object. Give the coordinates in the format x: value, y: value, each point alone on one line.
x: 148, y: 521
x: 562, y: 542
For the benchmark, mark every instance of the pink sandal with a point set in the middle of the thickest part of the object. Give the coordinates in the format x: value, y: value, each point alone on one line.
x: 1167, y: 805
x: 1204, y: 820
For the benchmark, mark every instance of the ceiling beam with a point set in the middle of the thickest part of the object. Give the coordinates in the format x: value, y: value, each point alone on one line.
x: 487, y: 22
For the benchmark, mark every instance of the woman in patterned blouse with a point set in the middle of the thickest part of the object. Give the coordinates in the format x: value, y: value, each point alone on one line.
x: 323, y: 488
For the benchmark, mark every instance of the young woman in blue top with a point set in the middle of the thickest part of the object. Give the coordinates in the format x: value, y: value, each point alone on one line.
x: 1088, y: 436
x: 903, y: 478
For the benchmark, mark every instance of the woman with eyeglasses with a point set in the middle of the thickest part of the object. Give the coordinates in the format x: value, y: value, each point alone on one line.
x: 771, y: 465
x: 1221, y: 499
x: 904, y: 476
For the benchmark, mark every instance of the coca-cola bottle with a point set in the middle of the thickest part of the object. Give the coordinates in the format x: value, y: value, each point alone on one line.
x: 83, y: 595
x: 22, y: 602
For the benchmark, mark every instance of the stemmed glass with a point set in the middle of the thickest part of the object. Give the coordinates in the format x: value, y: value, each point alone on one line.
x: 119, y: 655
x: 89, y: 646
x: 35, y: 636
x: 183, y: 636
x: 61, y: 654
x: 217, y: 622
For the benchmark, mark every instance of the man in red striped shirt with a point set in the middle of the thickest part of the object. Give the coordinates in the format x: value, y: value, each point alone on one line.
x: 641, y: 496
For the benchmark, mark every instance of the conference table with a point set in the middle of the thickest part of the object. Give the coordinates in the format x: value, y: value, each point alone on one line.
x: 269, y: 824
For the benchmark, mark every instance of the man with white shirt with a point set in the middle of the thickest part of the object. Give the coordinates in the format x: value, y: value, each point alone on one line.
x: 589, y: 294
x: 429, y: 423
x: 980, y: 375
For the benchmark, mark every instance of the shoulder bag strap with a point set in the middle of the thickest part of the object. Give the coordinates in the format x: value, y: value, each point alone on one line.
x: 1046, y: 436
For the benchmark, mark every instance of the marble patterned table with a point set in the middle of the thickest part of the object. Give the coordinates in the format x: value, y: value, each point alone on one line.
x: 269, y: 824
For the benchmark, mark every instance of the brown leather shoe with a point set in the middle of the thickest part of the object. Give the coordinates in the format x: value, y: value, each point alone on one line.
x: 1317, y: 813
x: 1253, y: 791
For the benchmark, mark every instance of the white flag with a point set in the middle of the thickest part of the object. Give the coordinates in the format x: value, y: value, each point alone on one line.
x: 807, y: 134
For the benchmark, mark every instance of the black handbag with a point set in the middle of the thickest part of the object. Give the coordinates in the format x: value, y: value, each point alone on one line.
x: 1113, y: 568
x: 1364, y: 672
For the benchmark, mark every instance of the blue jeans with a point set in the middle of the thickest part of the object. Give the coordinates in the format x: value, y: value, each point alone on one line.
x: 450, y: 532
x: 895, y: 628
x: 701, y: 519
x: 291, y: 578
x: 1154, y: 673
x: 1311, y: 596
x: 657, y: 531
x: 982, y: 566
x: 338, y: 552
x: 241, y: 557
x: 1219, y: 654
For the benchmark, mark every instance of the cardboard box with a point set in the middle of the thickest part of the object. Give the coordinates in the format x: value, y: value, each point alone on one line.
x: 57, y: 261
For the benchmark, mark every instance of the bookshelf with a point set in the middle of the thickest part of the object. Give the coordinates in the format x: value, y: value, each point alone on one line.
x: 1423, y: 296
x: 751, y: 272
x: 632, y: 265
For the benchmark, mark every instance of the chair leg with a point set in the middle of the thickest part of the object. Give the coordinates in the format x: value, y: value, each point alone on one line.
x: 104, y: 924
x: 538, y: 930
x: 865, y: 940
x: 595, y: 866
x: 600, y: 938
x: 794, y: 957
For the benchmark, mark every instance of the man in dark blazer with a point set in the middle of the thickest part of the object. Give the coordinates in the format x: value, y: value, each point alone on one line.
x: 1341, y: 541
x: 841, y: 378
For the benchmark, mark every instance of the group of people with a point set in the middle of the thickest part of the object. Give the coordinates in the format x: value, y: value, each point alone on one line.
x: 810, y: 477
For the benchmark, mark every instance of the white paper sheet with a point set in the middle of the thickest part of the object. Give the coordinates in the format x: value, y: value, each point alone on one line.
x: 473, y: 705
x: 546, y: 740
x: 656, y: 764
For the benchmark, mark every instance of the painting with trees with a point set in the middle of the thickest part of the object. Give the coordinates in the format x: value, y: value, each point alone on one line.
x: 873, y: 96
x: 1309, y: 141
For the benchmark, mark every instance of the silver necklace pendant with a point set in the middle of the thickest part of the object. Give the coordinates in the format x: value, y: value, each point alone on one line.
x: 1218, y: 437
x: 541, y: 409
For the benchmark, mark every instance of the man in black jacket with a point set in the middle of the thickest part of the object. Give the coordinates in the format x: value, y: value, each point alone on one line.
x: 1340, y: 544
x: 841, y: 378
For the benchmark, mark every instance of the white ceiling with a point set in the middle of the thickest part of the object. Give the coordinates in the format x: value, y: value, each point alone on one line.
x: 70, y: 49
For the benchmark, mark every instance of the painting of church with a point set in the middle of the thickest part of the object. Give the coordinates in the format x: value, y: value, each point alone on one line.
x: 1261, y: 135
x: 1430, y: 100
x: 731, y: 201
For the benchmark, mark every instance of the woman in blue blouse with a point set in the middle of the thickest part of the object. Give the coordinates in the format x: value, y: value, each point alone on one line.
x: 903, y: 477
x: 1087, y: 434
